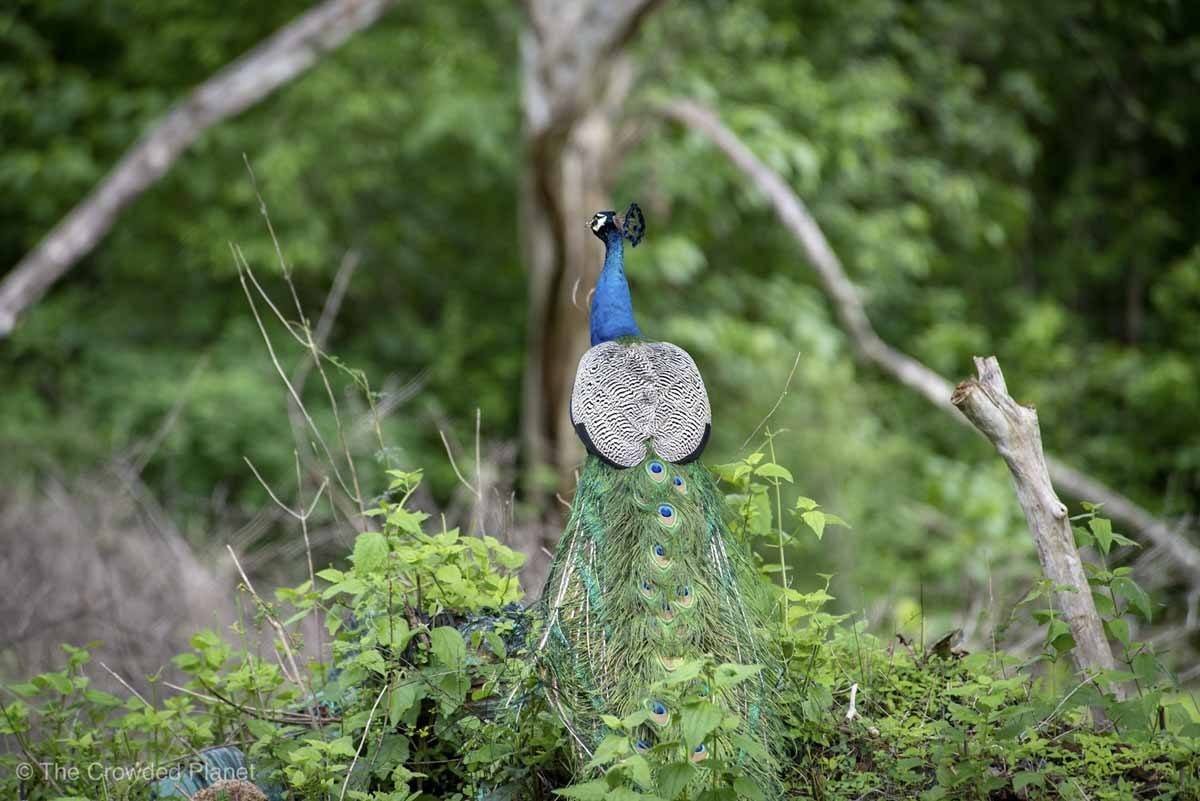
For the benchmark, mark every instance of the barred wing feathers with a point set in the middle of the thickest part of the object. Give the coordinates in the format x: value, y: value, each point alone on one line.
x: 633, y: 396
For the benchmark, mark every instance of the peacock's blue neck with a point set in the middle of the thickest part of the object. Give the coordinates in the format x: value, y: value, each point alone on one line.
x: 612, y: 308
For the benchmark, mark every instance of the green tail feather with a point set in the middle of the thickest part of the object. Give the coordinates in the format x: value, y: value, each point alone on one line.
x: 646, y: 576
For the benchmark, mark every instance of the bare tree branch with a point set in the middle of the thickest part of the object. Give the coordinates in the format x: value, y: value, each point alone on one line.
x: 273, y: 63
x: 1013, y: 429
x: 904, y: 368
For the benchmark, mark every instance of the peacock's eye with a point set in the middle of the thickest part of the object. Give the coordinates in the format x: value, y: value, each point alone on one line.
x: 655, y: 467
x: 659, y: 550
x: 646, y: 587
x: 678, y: 481
x: 658, y: 708
x: 700, y: 753
x: 642, y: 745
x: 684, y: 591
x: 666, y: 511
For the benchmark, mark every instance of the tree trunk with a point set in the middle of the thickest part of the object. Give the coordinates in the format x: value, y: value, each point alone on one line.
x: 575, y: 80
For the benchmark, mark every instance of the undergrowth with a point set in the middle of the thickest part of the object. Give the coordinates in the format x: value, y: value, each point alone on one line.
x: 431, y: 691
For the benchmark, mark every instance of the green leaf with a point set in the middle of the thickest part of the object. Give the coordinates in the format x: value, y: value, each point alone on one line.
x: 342, y: 746
x: 372, y: 660
x: 400, y: 701
x: 673, y: 778
x: 1104, y: 604
x: 772, y: 470
x: 448, y: 574
x: 625, y: 794
x: 729, y: 674
x: 637, y: 768
x: 805, y: 504
x: 1146, y: 667
x: 1118, y: 629
x: 448, y: 646
x: 1027, y: 778
x: 750, y: 747
x: 1083, y: 537
x: 698, y: 721
x: 1102, y: 529
x: 101, y: 698
x: 684, y: 673
x: 58, y: 682
x: 1121, y: 539
x: 747, y: 789
x: 392, y: 631
x: 610, y: 748
x: 1128, y: 589
x: 816, y: 521
x: 370, y: 552
x: 595, y: 790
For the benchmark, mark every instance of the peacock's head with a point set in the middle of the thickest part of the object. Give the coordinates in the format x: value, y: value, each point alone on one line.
x: 606, y: 225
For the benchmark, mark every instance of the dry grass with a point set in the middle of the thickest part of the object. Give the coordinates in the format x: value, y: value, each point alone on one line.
x: 98, y: 559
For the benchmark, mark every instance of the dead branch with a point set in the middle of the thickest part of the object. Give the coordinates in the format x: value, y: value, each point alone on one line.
x: 1013, y: 429
x: 273, y: 63
x: 908, y: 371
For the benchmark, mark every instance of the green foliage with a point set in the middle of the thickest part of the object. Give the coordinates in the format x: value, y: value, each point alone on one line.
x: 431, y: 693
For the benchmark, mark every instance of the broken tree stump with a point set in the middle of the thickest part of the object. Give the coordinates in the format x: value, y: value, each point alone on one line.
x: 1014, y: 431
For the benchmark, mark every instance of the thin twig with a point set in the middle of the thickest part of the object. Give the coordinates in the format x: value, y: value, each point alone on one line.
x: 309, y: 343
x: 363, y: 741
x: 298, y: 677
x: 778, y: 401
x: 245, y: 272
x: 142, y: 698
x: 453, y: 464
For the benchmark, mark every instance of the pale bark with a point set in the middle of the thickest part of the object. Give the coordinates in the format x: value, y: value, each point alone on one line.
x: 575, y: 79
x: 275, y: 62
x: 905, y: 369
x: 1013, y: 429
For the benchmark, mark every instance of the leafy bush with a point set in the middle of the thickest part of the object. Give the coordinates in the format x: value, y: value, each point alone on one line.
x: 431, y: 691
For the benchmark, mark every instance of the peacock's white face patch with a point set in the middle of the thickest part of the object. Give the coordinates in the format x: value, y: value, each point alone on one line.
x: 599, y: 221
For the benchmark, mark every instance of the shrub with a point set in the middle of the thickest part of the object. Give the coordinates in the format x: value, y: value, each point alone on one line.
x: 431, y: 692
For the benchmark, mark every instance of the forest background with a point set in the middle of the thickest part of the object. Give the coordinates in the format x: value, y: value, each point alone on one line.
x: 1011, y: 178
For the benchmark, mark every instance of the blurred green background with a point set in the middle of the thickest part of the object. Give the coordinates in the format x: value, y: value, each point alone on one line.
x: 1012, y: 178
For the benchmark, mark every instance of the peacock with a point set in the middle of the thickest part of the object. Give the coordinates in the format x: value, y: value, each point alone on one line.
x: 647, y: 575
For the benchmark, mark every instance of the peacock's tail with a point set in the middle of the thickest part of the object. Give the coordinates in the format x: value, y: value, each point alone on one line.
x: 647, y: 576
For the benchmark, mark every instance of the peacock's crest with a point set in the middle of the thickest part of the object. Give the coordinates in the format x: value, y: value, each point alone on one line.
x: 633, y: 225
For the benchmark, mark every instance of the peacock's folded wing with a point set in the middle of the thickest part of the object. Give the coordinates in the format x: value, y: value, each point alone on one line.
x: 634, y: 395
